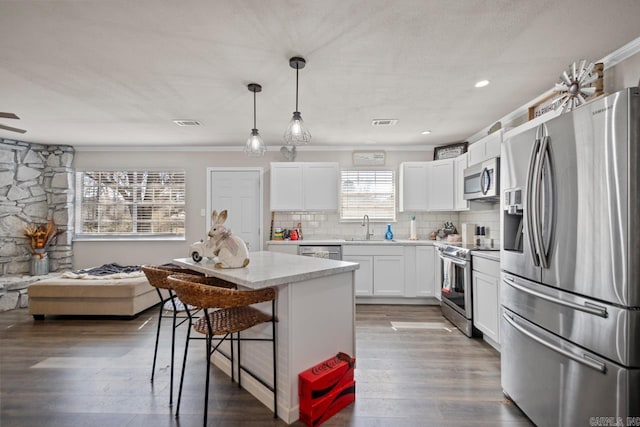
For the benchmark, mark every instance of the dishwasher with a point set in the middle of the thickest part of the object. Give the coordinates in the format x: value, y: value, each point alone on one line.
x: 324, y: 251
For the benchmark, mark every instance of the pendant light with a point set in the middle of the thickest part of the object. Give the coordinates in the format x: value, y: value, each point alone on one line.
x: 255, y: 146
x: 297, y: 133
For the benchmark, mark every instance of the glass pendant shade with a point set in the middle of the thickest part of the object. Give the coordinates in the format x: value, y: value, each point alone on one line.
x: 297, y: 133
x: 255, y: 146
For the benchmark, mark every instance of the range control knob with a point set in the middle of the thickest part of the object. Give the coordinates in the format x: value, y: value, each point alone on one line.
x: 461, y: 254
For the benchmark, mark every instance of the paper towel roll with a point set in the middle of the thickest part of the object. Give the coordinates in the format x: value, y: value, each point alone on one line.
x: 412, y: 230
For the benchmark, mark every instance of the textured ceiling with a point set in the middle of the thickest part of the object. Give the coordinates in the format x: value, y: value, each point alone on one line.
x: 118, y: 72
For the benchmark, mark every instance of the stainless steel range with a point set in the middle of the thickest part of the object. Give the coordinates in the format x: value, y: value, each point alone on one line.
x: 457, y: 303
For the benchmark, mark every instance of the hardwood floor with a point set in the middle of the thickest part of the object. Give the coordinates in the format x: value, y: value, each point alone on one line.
x: 79, y: 371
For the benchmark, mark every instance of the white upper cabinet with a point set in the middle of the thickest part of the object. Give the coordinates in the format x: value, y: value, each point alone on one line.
x: 286, y: 187
x: 485, y: 148
x: 441, y: 185
x: 320, y: 186
x: 426, y: 186
x: 300, y: 186
x: 459, y: 165
x: 414, y: 177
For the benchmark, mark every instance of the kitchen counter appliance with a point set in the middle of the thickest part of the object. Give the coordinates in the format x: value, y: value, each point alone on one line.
x: 482, y: 181
x: 324, y: 251
x: 570, y: 323
x: 456, y: 289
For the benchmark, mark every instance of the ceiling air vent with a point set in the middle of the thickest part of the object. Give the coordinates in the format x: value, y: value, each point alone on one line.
x: 384, y: 122
x: 187, y: 122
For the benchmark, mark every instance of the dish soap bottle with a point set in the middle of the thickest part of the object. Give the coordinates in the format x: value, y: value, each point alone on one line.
x: 389, y: 234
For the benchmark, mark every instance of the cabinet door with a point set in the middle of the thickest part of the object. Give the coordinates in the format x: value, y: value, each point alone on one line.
x: 486, y: 305
x: 413, y: 186
x: 320, y: 190
x: 441, y: 185
x: 388, y: 275
x: 460, y: 164
x: 363, y: 275
x: 425, y: 271
x: 286, y: 187
x: 493, y: 145
x: 476, y: 152
x: 437, y: 271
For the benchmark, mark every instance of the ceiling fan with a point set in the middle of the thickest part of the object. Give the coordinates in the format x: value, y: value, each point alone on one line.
x: 10, y: 116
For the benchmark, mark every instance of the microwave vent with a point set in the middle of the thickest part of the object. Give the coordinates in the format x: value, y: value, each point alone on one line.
x: 384, y: 122
x: 187, y: 122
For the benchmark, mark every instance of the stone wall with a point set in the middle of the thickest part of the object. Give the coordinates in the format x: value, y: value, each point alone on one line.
x: 36, y: 185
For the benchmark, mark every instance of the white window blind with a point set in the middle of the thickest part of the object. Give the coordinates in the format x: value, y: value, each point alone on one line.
x: 367, y: 192
x: 130, y: 203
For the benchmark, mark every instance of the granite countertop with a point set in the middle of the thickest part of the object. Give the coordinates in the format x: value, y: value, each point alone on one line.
x: 342, y: 242
x: 271, y: 269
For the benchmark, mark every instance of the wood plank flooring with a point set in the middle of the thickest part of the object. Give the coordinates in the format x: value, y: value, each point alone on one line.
x: 80, y: 371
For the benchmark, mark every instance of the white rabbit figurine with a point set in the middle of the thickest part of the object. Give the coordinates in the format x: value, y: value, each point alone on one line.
x: 231, y: 250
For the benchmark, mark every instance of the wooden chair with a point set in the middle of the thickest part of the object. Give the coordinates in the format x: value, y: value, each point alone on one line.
x: 226, y: 312
x: 157, y: 277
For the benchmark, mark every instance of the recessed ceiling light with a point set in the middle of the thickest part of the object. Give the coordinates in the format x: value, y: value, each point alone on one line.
x: 482, y: 83
x: 426, y: 132
x: 187, y: 122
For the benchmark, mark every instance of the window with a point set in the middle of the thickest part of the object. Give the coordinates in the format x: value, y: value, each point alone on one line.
x: 367, y: 192
x: 130, y: 204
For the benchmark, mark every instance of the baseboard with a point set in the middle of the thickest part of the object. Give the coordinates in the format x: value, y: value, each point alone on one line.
x: 397, y: 301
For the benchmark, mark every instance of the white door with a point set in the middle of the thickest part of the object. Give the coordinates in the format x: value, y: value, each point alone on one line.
x: 239, y: 191
x: 441, y: 185
x: 425, y: 267
x: 388, y: 275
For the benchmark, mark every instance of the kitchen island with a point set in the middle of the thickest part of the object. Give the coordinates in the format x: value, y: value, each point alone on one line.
x: 316, y: 319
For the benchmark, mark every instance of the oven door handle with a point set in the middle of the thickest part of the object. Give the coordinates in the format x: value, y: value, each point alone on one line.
x: 456, y: 261
x: 585, y: 360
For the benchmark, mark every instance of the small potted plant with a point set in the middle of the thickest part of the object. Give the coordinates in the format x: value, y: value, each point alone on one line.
x: 40, y: 237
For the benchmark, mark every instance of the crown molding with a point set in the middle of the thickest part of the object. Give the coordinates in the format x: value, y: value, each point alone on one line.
x: 609, y: 61
x: 111, y: 148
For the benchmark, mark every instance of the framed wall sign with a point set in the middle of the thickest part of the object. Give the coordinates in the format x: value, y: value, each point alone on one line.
x: 450, y: 151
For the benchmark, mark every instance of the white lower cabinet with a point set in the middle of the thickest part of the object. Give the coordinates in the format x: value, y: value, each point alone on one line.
x: 388, y: 275
x: 486, y: 297
x: 381, y: 271
x: 363, y: 275
x: 425, y: 271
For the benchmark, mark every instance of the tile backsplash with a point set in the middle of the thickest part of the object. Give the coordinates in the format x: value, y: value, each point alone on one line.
x: 327, y: 225
x: 321, y: 225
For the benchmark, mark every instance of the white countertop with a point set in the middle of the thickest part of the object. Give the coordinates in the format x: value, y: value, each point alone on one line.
x: 271, y: 269
x: 492, y: 255
x: 342, y: 242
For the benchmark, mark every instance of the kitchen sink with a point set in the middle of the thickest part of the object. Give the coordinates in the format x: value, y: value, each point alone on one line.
x: 355, y: 239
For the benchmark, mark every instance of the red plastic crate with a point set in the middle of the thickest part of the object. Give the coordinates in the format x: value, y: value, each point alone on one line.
x: 320, y: 380
x: 324, y: 408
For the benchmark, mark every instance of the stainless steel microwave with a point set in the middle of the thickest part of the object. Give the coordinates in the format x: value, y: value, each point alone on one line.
x: 482, y: 181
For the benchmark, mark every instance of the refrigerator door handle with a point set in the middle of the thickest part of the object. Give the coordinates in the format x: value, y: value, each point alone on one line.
x: 548, y: 199
x: 528, y: 210
x: 587, y: 308
x: 585, y: 359
x: 537, y: 229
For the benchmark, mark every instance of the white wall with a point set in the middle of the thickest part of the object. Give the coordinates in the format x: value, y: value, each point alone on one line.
x: 87, y: 254
x: 92, y: 253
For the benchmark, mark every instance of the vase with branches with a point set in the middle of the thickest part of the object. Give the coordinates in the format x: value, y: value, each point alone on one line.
x: 40, y: 237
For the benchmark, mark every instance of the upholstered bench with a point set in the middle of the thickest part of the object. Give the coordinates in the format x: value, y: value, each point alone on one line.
x: 112, y: 297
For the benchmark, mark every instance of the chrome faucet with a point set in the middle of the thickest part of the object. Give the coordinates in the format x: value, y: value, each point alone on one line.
x: 365, y: 221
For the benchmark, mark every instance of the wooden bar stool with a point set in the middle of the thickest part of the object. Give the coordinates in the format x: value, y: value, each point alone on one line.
x: 157, y: 276
x: 226, y: 312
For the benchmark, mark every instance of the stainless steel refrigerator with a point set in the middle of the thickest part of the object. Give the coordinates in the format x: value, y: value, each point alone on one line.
x: 570, y: 259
